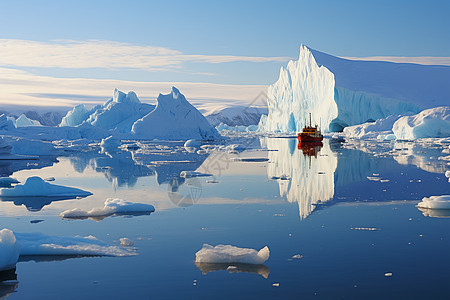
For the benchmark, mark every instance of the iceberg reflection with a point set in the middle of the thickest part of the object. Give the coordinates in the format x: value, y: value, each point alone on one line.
x: 34, y: 204
x: 435, y: 213
x: 309, y: 172
x: 205, y: 268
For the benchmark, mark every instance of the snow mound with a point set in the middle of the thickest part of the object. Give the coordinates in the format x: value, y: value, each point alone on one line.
x: 40, y: 244
x: 380, y: 128
x: 435, y: 202
x: 9, y: 250
x: 302, y: 88
x: 231, y: 254
x: 174, y: 118
x: 76, y: 116
x: 37, y: 187
x: 430, y: 123
x: 112, y: 206
x: 23, y: 121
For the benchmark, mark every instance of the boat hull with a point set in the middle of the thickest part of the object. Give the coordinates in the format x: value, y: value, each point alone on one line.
x: 305, y: 138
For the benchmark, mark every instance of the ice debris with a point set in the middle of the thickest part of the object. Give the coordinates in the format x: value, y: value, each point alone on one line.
x: 231, y: 254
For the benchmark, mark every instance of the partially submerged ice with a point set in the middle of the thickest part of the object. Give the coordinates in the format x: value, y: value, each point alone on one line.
x: 231, y: 254
x: 9, y: 250
x: 429, y: 123
x: 174, y: 118
x: 37, y: 187
x: 435, y: 202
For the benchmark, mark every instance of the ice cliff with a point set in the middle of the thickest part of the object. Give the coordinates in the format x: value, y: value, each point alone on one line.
x: 341, y: 92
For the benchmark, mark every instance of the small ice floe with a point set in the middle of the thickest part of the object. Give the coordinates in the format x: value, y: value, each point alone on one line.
x: 126, y: 242
x: 250, y: 159
x: 384, y: 180
x: 36, y: 221
x: 364, y: 228
x: 9, y: 250
x: 372, y: 178
x: 49, y: 179
x: 192, y: 144
x: 112, y: 207
x: 189, y: 174
x: 447, y: 174
x: 389, y: 274
x: 8, y: 181
x: 297, y: 256
x: 276, y: 284
x: 231, y: 254
x: 435, y: 202
x: 37, y: 187
x: 40, y: 244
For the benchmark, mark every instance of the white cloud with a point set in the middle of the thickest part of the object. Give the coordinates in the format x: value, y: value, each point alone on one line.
x: 105, y: 54
x: 421, y: 60
x: 26, y: 89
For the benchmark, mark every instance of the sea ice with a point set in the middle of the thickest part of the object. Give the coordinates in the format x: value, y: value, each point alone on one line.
x: 9, y: 250
x: 429, y: 123
x: 126, y: 242
x: 231, y: 254
x: 112, y: 206
x: 174, y: 118
x: 435, y: 202
x: 37, y: 187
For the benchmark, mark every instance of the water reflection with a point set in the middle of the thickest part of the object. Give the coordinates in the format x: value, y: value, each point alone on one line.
x: 7, y: 288
x: 205, y: 268
x: 8, y: 167
x: 309, y: 172
x: 34, y: 204
x: 435, y: 213
x: 8, y: 275
x: 121, y: 214
x: 425, y: 158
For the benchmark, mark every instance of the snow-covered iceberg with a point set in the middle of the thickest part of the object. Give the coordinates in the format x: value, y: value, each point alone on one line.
x: 76, y: 116
x: 174, y: 118
x: 381, y: 128
x: 112, y: 206
x: 435, y: 202
x: 429, y: 123
x: 24, y: 121
x: 9, y: 250
x: 231, y: 254
x: 37, y: 187
x: 361, y: 91
x: 302, y: 88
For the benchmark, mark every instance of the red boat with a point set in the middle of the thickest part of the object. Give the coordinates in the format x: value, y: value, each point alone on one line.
x: 310, y: 133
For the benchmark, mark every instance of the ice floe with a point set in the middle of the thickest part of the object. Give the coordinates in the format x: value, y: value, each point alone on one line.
x: 231, y: 254
x: 9, y: 250
x: 189, y: 174
x: 435, y: 202
x: 37, y: 187
x: 112, y: 206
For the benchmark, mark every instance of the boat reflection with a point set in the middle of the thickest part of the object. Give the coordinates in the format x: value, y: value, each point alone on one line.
x: 310, y: 148
x: 206, y: 268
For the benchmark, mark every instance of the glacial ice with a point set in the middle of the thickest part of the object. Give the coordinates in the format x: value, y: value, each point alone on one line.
x: 231, y: 254
x: 302, y: 88
x: 110, y: 144
x: 435, y: 202
x: 9, y: 250
x: 76, y: 116
x: 112, y: 206
x: 429, y: 123
x: 23, y: 121
x: 37, y: 187
x: 174, y: 118
x: 372, y: 129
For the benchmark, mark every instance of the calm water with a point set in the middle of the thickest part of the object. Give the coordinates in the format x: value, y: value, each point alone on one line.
x: 349, y: 210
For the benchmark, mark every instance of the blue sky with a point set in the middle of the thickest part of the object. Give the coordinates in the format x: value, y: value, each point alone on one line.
x: 234, y: 42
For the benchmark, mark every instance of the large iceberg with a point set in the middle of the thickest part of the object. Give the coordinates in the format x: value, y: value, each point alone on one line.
x: 344, y: 92
x: 430, y: 123
x: 174, y: 118
x: 231, y: 254
x: 76, y: 116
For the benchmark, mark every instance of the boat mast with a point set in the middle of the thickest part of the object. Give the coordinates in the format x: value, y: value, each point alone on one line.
x: 310, y: 124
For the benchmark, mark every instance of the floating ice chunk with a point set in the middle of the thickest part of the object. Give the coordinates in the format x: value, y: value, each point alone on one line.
x: 388, y: 274
x: 9, y: 250
x: 40, y: 244
x: 110, y: 144
x: 429, y: 123
x: 192, y: 144
x: 189, y: 174
x: 231, y: 254
x: 112, y: 206
x: 7, y: 181
x: 380, y: 129
x: 126, y: 242
x: 372, y: 178
x: 447, y: 174
x: 37, y: 187
x: 297, y: 256
x: 49, y: 179
x: 435, y: 202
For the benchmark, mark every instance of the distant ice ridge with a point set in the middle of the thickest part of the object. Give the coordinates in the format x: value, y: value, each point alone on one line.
x: 302, y: 88
x: 362, y: 91
x: 174, y: 118
x: 231, y: 254
x: 237, y: 116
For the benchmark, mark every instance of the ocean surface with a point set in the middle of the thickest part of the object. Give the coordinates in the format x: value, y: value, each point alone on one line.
x: 340, y: 220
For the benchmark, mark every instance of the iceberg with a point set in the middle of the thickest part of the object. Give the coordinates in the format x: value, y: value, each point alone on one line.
x: 435, y: 202
x: 23, y: 121
x: 381, y: 129
x: 37, y: 187
x: 76, y: 116
x: 231, y: 254
x: 174, y: 118
x: 341, y: 92
x: 112, y: 206
x: 429, y: 123
x: 9, y: 250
